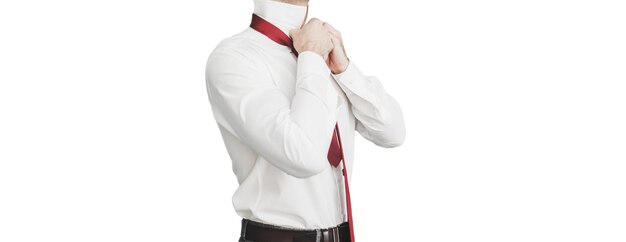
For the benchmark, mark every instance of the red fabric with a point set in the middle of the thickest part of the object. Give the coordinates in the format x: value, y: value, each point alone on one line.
x: 345, y: 181
x: 335, y: 151
x: 274, y: 33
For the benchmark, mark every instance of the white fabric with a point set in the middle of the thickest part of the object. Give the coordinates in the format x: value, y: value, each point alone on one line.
x: 282, y: 15
x: 276, y: 114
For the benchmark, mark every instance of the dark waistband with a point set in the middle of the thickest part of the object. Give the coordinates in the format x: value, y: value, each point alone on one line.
x: 261, y: 232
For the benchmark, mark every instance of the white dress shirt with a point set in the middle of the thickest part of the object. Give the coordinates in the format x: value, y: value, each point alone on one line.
x: 276, y: 114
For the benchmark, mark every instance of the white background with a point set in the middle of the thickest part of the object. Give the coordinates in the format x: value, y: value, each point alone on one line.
x: 515, y: 114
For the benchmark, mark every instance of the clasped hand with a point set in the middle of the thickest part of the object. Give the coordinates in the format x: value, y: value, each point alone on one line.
x: 321, y: 38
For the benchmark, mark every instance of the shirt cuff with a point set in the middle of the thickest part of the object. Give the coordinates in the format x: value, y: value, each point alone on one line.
x: 349, y: 78
x: 310, y: 62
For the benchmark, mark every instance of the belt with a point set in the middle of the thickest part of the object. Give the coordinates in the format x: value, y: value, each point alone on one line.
x: 260, y: 232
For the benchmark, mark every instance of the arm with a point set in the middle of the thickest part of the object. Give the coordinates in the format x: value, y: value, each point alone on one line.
x: 291, y: 134
x: 379, y: 116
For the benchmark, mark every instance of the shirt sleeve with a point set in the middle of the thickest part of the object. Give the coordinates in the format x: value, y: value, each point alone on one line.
x: 292, y: 134
x: 378, y: 115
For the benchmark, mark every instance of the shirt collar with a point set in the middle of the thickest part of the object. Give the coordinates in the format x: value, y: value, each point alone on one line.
x: 282, y: 15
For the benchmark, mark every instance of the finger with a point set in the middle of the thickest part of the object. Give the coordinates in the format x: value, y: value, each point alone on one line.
x: 332, y: 30
x: 315, y: 21
x: 333, y: 34
x: 330, y: 27
x: 294, y: 32
x: 334, y: 40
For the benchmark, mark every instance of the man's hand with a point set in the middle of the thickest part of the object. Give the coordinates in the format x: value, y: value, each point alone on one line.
x: 313, y: 36
x: 338, y: 60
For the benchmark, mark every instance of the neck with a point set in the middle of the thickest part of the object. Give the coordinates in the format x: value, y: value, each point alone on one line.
x: 285, y: 16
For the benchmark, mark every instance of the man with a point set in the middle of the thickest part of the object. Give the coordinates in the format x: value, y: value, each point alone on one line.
x: 287, y: 109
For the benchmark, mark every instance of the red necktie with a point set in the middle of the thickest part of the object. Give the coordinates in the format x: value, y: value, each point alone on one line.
x: 335, y: 151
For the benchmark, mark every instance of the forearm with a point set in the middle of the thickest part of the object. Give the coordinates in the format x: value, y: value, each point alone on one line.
x: 379, y: 115
x: 292, y: 133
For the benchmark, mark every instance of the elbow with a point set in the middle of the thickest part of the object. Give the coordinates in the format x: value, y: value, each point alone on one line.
x: 299, y: 166
x: 306, y: 173
x: 308, y: 168
x: 306, y: 157
x: 392, y: 143
x: 305, y: 163
x: 302, y: 156
x: 394, y: 137
x: 393, y: 131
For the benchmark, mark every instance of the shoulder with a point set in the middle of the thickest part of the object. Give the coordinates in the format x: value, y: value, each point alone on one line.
x: 242, y: 46
x: 235, y: 57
